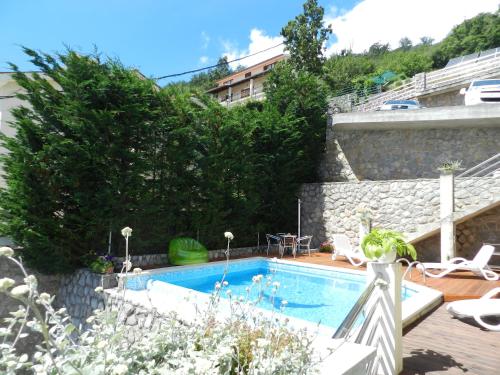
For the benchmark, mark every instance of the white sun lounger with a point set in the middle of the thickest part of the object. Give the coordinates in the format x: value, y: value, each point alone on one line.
x: 486, y: 306
x: 478, y: 265
x: 342, y: 246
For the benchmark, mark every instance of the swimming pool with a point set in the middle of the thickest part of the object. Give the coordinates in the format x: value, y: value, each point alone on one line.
x: 314, y: 294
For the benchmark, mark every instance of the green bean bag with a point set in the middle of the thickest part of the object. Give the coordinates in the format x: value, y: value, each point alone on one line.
x: 183, y: 250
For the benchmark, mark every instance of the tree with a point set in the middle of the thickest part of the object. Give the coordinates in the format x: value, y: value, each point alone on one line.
x: 474, y: 35
x: 342, y: 72
x: 206, y: 80
x: 405, y: 44
x: 76, y: 167
x: 377, y: 49
x: 426, y: 40
x: 305, y: 38
x: 406, y: 63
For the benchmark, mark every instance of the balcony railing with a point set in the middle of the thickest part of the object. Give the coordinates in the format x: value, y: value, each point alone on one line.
x: 244, y: 95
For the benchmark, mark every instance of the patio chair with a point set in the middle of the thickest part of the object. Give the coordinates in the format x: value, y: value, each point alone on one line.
x: 304, y: 242
x: 342, y: 246
x: 478, y: 309
x: 273, y: 241
x: 478, y: 265
x: 288, y: 242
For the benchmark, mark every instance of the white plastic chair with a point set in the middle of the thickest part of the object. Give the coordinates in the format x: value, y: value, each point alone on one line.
x: 486, y: 306
x: 478, y: 265
x: 304, y: 242
x: 273, y: 241
x: 342, y: 246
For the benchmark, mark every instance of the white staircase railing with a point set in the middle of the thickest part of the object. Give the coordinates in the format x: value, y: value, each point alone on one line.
x: 489, y: 167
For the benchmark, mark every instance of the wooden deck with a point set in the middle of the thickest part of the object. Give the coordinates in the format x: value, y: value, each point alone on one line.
x: 438, y: 343
x: 455, y: 286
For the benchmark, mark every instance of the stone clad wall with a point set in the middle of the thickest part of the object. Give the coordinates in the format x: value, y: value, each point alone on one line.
x: 77, y: 293
x: 403, y: 205
x: 145, y: 260
x: 403, y: 153
x: 330, y: 208
x: 471, y: 235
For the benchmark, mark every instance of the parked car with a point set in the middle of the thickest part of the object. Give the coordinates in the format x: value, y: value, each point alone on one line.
x: 482, y: 91
x: 392, y: 105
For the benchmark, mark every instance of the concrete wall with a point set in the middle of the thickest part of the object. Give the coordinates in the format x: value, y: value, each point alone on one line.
x: 403, y: 153
x: 442, y: 99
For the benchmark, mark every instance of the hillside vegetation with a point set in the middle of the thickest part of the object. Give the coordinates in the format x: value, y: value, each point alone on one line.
x: 350, y: 71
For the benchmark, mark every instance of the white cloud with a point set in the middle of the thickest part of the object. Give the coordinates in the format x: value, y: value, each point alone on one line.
x: 205, y: 38
x: 258, y: 42
x: 203, y: 59
x: 387, y: 21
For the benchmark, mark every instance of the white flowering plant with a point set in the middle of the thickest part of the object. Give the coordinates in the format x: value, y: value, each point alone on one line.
x: 244, y: 342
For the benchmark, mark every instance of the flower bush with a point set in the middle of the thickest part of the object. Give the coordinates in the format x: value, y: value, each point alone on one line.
x: 244, y: 342
x: 326, y: 247
x: 102, y: 264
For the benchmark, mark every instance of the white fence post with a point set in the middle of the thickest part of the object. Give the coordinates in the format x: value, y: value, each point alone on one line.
x: 385, y: 330
x: 447, y: 206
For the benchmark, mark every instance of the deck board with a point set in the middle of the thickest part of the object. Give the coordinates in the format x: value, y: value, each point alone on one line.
x: 438, y: 343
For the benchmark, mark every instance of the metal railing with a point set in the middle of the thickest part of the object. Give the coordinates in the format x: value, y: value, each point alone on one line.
x: 345, y: 329
x: 424, y: 83
x: 487, y: 168
x: 475, y: 187
x: 235, y: 98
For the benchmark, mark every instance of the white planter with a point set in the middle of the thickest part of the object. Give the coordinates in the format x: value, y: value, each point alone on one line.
x: 388, y: 257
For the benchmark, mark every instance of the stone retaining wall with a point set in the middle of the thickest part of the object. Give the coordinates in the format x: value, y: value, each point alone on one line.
x: 403, y: 153
x: 331, y: 208
x: 470, y: 235
x: 133, y: 315
x: 77, y: 293
x: 403, y: 205
x: 145, y: 260
x: 237, y: 252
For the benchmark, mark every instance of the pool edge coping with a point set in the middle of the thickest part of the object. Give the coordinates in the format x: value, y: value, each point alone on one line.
x: 413, y: 308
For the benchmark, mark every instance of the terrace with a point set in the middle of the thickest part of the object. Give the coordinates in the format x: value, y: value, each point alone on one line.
x: 438, y: 343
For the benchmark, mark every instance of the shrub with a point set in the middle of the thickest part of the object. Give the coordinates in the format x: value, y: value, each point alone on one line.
x: 102, y: 264
x: 326, y: 247
x: 245, y: 342
x: 100, y: 147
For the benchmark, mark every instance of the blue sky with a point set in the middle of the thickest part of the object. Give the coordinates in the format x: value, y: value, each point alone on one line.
x: 168, y: 36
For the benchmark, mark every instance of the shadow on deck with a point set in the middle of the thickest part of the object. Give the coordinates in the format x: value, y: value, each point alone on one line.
x: 438, y: 343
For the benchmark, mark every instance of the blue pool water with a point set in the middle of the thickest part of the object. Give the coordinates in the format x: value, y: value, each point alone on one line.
x: 312, y: 294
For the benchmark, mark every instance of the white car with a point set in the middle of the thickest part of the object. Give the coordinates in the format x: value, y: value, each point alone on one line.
x: 482, y: 91
x: 393, y: 105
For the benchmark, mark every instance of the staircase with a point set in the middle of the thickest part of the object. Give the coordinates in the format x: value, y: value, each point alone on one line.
x: 477, y: 190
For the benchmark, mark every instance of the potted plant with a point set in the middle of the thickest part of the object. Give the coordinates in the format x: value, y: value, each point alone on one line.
x: 102, y: 264
x: 326, y: 247
x: 384, y: 245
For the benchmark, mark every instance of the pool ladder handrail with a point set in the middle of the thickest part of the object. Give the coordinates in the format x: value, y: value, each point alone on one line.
x: 347, y: 325
x: 345, y: 328
x: 411, y: 265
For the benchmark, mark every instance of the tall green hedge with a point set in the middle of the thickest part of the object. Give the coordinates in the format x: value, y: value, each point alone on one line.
x: 100, y: 147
